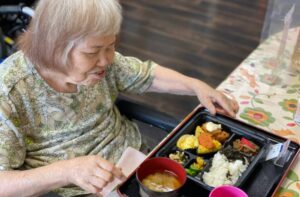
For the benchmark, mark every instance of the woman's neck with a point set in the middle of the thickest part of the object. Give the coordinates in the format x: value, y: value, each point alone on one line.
x: 56, y: 80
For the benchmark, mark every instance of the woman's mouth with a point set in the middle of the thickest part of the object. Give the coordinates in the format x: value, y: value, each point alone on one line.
x: 98, y: 75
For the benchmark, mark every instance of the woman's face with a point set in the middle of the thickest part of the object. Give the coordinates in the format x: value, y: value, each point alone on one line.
x: 90, y: 58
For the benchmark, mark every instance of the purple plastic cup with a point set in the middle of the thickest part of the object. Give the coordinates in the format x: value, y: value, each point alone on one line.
x: 227, y: 191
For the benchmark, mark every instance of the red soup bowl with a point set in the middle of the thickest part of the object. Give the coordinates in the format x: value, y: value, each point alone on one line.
x: 160, y: 177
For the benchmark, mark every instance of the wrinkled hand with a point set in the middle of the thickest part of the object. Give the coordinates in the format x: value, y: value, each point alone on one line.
x: 92, y: 173
x: 214, y: 100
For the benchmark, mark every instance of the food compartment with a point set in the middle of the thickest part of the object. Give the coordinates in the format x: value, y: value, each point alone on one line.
x: 235, y: 162
x: 191, y: 142
x: 248, y: 146
x: 195, y: 166
x: 203, y: 138
x: 192, y: 163
x: 177, y: 155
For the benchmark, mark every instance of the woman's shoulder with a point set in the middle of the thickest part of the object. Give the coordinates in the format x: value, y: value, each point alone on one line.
x: 122, y: 60
x: 12, y: 70
x: 123, y: 63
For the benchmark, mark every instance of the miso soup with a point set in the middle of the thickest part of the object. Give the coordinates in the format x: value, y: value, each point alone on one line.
x: 163, y: 181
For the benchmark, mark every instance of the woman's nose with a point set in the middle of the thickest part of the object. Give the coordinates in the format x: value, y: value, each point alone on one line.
x: 103, y: 60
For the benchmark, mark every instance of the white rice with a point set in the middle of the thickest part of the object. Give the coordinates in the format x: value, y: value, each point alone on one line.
x: 223, y: 172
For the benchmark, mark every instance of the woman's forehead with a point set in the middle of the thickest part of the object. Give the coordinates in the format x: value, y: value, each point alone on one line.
x: 97, y: 41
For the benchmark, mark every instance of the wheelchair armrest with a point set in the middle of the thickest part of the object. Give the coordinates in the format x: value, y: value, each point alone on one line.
x: 20, y: 9
x: 147, y: 115
x: 10, y: 9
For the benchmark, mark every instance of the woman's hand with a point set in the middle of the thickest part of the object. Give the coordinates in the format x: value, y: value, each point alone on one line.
x: 169, y: 81
x: 214, y: 100
x: 91, y: 173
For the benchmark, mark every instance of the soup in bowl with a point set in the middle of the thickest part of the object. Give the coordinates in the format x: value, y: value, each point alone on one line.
x: 161, y: 177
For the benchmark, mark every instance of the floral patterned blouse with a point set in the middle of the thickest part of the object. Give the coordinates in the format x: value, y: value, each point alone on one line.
x: 40, y: 126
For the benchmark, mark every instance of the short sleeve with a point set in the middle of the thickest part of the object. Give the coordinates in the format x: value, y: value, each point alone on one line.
x: 12, y: 148
x: 131, y: 74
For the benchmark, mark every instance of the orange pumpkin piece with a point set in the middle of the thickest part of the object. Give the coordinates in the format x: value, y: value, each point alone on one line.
x: 206, y: 140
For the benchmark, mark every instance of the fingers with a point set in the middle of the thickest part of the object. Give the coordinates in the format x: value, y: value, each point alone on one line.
x: 109, y: 167
x: 221, y: 111
x: 218, y: 102
x: 235, y: 105
x: 232, y: 101
x: 215, y: 101
x: 229, y: 106
x: 207, y: 102
x: 104, y: 174
x: 118, y: 173
x: 92, y: 173
x: 97, y: 182
x: 226, y: 105
x: 87, y: 186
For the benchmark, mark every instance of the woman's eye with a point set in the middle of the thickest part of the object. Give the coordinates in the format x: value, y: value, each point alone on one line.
x: 91, y: 53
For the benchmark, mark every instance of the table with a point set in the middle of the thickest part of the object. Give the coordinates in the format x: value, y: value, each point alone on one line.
x: 267, y: 104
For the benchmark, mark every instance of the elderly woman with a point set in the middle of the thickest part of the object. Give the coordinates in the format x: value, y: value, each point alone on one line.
x: 60, y: 129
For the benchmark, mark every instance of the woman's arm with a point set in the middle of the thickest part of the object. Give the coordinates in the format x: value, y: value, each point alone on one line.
x: 91, y: 173
x: 170, y: 81
x: 32, y: 182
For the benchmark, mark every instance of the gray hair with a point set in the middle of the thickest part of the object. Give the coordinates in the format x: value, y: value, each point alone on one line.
x: 58, y: 25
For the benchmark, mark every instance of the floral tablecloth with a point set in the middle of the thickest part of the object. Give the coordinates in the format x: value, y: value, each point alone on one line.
x: 269, y: 104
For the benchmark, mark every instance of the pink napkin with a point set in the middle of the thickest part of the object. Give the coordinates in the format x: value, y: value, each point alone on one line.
x: 128, y: 162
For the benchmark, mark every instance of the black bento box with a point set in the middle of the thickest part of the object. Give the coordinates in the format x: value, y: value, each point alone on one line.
x: 260, y: 179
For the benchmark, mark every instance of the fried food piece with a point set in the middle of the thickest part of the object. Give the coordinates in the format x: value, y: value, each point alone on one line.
x: 221, y: 136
